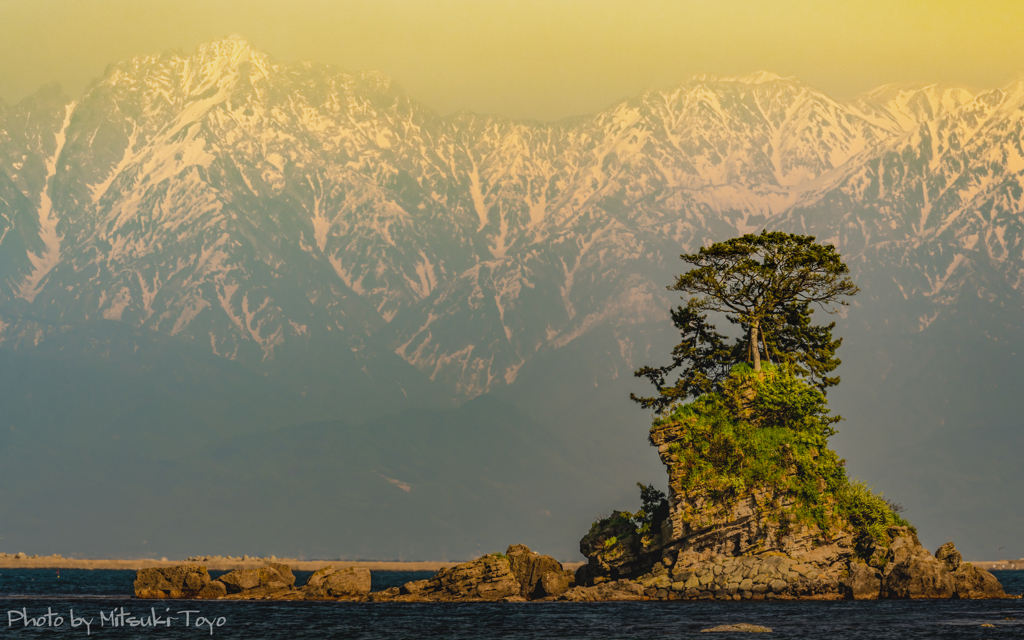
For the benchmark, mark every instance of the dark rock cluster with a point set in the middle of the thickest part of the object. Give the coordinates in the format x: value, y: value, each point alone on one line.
x: 272, y: 582
x: 900, y: 569
x: 517, y: 576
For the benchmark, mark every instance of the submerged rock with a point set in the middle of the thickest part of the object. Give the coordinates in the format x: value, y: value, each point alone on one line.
x: 742, y: 627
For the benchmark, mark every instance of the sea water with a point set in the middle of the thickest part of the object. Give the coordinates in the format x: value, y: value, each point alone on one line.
x: 37, y: 603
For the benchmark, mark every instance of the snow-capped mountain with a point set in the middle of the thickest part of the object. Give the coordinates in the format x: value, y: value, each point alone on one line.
x: 259, y: 208
x: 213, y: 246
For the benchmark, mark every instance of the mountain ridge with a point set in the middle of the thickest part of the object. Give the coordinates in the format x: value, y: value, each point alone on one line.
x: 327, y: 233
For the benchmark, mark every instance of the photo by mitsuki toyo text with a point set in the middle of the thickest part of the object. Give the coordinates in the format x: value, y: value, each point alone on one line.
x: 115, y: 618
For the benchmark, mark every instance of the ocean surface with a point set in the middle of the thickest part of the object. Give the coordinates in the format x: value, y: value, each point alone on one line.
x: 39, y: 603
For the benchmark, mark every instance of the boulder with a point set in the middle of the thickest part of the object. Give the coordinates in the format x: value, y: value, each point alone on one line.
x: 272, y: 577
x: 487, y: 578
x: 917, y: 575
x: 864, y: 582
x: 554, y: 583
x: 949, y: 556
x: 970, y: 582
x: 528, y: 567
x: 179, y: 581
x: 213, y: 591
x: 414, y: 587
x: 328, y: 582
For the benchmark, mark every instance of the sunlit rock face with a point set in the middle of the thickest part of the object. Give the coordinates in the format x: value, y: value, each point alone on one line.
x: 263, y: 210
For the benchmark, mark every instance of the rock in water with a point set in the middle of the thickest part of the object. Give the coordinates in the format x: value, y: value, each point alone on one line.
x: 529, y: 568
x: 251, y: 583
x: 912, y: 572
x: 487, y: 578
x: 970, y: 582
x: 756, y: 544
x: 329, y: 582
x: 180, y: 581
x: 742, y: 627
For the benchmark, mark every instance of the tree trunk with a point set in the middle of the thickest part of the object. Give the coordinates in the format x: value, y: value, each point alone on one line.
x: 755, y: 348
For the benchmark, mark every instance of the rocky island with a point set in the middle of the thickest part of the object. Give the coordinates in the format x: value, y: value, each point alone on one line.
x: 758, y: 506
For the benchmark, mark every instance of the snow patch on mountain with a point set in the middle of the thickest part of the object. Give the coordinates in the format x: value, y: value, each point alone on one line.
x: 43, y: 263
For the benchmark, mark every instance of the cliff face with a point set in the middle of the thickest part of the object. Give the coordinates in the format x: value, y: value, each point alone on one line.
x: 761, y: 520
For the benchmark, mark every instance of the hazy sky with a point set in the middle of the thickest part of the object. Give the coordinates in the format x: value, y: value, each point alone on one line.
x: 541, y: 59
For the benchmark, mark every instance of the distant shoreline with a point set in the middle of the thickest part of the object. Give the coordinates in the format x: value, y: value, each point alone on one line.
x: 225, y: 564
x: 1000, y: 565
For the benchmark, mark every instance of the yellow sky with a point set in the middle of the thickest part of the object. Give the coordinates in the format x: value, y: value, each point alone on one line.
x: 542, y: 59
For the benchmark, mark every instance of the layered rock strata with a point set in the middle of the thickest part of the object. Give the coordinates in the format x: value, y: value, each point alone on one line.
x: 903, y: 570
x: 754, y: 546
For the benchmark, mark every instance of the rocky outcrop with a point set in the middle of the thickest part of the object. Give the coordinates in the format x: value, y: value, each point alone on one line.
x: 352, y: 582
x: 971, y: 582
x: 539, y: 576
x: 488, y: 578
x: 754, y: 546
x: 761, y: 520
x: 252, y: 584
x: 715, y: 577
x: 909, y: 571
x: 182, y: 581
x: 905, y: 569
x: 517, y: 576
x: 274, y: 581
x: 949, y: 556
x: 898, y: 568
x: 863, y: 582
x: 554, y: 583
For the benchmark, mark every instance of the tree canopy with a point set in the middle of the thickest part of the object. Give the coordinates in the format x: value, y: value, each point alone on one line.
x: 769, y: 284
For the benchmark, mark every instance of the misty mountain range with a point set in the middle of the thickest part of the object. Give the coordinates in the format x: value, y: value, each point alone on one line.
x: 249, y: 292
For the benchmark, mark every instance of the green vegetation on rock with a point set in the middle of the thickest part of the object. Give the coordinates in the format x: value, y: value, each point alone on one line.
x: 749, y: 417
x: 770, y: 432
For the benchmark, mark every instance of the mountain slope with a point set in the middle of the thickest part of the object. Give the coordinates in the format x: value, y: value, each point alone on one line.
x: 325, y: 233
